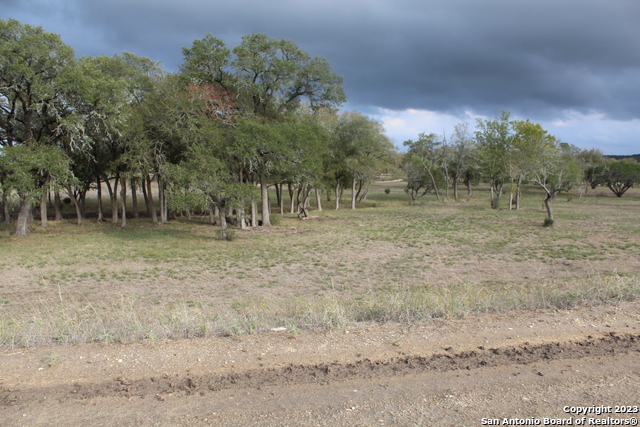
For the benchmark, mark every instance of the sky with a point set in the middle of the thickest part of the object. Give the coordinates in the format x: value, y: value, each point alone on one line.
x: 415, y: 65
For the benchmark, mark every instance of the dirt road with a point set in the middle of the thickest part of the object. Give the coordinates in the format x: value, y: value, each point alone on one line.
x: 527, y: 367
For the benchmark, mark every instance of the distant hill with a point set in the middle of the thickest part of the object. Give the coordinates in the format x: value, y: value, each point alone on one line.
x: 635, y: 156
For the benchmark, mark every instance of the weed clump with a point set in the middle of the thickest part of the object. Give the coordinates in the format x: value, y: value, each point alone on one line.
x: 548, y: 222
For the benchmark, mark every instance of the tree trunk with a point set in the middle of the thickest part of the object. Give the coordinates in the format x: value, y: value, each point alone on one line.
x: 586, y: 190
x: 44, y: 221
x: 123, y: 201
x: 446, y: 184
x: 353, y: 193
x: 279, y: 195
x: 99, y: 188
x: 547, y: 205
x: 435, y: 186
x: 511, y: 195
x: 5, y: 208
x: 254, y: 213
x: 144, y: 195
x: 305, y: 191
x: 114, y: 201
x: 301, y: 189
x: 291, y: 193
x: 57, y: 204
x: 22, y: 223
x: 163, y: 203
x: 281, y: 200
x: 212, y: 215
x: 518, y: 193
x: 240, y: 216
x: 113, y: 197
x: 151, y: 206
x: 469, y: 189
x: 223, y: 225
x: 365, y: 193
x: 318, y: 202
x: 455, y: 190
x: 134, y: 198
x: 496, y: 193
x: 337, y: 194
x: 83, y: 201
x: 266, y: 209
x: 76, y: 205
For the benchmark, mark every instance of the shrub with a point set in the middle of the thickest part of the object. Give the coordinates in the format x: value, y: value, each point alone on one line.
x: 548, y: 222
x: 387, y: 190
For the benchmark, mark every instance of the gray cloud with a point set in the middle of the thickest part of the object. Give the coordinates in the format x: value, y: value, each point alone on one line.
x: 536, y: 58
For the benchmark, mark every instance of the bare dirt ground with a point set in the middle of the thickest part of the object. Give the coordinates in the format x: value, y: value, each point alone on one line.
x: 533, y: 366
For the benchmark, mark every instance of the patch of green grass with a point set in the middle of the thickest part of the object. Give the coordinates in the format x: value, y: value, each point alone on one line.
x: 397, y: 262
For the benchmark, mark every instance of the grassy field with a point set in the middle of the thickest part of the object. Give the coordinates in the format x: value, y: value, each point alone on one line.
x: 387, y: 261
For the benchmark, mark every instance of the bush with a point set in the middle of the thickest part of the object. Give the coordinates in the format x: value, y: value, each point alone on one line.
x: 548, y: 222
x: 67, y: 200
x: 387, y: 190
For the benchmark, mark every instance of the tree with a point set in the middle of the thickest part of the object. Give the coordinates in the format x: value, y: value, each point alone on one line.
x: 24, y: 168
x: 590, y: 161
x: 30, y: 63
x: 619, y: 176
x: 494, y: 139
x: 365, y: 149
x: 207, y: 62
x: 202, y: 180
x: 420, y: 164
x: 260, y: 145
x: 545, y: 161
x: 273, y: 77
x: 266, y: 79
x: 461, y: 160
x: 307, y: 142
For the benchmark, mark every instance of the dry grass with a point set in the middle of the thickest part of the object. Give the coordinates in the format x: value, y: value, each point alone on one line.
x: 394, y: 263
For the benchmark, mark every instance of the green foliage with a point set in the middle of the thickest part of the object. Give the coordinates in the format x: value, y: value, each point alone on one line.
x: 420, y: 166
x: 544, y: 160
x: 206, y: 61
x: 619, y: 176
x: 30, y: 61
x: 387, y: 190
x: 359, y: 150
x: 548, y: 222
x: 24, y: 169
x: 52, y: 360
x: 494, y: 139
x: 274, y: 75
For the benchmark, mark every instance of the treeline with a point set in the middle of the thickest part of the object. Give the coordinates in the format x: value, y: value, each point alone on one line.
x: 231, y: 120
x: 231, y: 123
x: 506, y: 154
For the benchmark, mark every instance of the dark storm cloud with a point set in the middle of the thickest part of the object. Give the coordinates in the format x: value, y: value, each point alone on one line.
x: 535, y: 58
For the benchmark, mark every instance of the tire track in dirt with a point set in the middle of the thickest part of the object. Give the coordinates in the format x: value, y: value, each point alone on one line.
x: 325, y: 373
